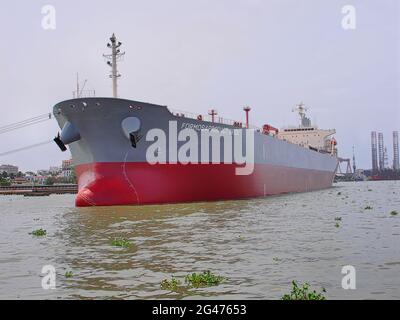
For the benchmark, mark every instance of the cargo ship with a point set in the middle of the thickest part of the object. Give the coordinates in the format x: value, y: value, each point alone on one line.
x: 128, y: 152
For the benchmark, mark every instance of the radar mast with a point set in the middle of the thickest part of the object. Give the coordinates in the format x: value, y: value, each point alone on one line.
x: 301, y: 110
x: 112, y: 59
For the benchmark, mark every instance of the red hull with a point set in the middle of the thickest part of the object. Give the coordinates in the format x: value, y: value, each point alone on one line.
x: 106, y: 184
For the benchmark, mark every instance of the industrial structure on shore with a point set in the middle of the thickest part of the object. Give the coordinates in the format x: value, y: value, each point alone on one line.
x: 381, y: 169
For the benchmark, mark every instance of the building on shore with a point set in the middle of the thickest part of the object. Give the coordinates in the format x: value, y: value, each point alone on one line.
x: 43, y: 172
x: 55, y: 170
x: 20, y: 181
x: 66, y: 168
x: 9, y: 169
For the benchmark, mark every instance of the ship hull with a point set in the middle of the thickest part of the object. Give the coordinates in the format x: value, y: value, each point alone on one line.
x: 107, y: 184
x: 112, y: 169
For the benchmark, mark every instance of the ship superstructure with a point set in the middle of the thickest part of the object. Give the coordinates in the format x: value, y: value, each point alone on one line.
x: 308, y: 135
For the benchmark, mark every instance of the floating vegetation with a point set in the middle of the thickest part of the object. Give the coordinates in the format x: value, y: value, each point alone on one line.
x: 205, y: 279
x: 337, y: 225
x: 369, y: 189
x: 338, y: 218
x: 276, y: 259
x: 69, y: 274
x: 303, y: 292
x: 121, y: 242
x: 368, y: 208
x: 39, y: 232
x: 394, y: 213
x: 171, y: 285
x: 339, y: 193
x: 194, y: 280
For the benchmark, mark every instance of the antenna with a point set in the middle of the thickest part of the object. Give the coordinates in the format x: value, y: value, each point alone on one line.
x: 79, y: 91
x: 77, y: 85
x: 83, y: 87
x: 213, y: 113
x: 112, y: 59
x: 301, y: 109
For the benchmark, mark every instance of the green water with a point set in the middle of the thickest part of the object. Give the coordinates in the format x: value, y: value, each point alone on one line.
x: 260, y: 245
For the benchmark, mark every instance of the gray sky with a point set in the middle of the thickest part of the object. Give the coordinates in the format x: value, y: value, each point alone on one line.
x: 197, y: 54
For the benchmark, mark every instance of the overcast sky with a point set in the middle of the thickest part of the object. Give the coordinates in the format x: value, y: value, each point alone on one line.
x: 198, y: 54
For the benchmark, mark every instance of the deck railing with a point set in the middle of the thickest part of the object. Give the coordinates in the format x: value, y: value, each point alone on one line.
x: 208, y: 118
x: 84, y: 94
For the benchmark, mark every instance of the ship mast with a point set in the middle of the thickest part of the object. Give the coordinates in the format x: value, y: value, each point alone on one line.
x: 301, y: 109
x: 77, y: 85
x: 112, y: 59
x: 79, y: 90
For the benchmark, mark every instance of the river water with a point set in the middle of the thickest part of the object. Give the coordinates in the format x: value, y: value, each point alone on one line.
x: 260, y: 245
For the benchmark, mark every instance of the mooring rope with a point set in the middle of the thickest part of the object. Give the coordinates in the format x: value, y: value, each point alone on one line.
x: 25, y: 123
x: 26, y: 148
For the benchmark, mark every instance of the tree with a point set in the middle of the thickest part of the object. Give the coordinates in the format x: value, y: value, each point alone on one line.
x: 73, y: 175
x: 50, y: 181
x: 4, y: 182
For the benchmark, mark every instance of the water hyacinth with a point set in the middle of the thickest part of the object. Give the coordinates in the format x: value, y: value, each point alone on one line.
x: 121, y: 242
x: 303, y: 292
x: 171, y: 285
x: 205, y: 279
x: 39, y: 232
